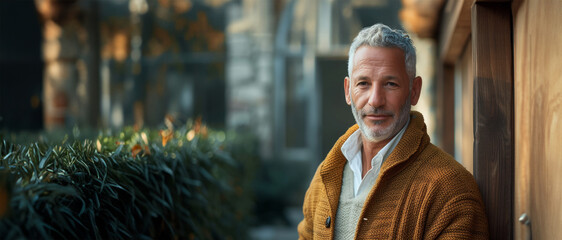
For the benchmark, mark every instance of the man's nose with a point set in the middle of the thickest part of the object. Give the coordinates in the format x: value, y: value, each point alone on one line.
x: 376, y: 97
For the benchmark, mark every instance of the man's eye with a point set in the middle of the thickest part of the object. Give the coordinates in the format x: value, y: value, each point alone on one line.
x: 392, y: 84
x: 362, y: 84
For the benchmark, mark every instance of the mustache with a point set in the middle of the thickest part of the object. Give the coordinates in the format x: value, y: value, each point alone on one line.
x: 372, y: 110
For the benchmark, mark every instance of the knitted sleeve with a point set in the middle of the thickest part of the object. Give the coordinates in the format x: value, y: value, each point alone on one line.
x: 461, y: 216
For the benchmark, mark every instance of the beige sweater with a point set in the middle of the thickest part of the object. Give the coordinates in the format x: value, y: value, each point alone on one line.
x: 349, y: 207
x: 421, y: 193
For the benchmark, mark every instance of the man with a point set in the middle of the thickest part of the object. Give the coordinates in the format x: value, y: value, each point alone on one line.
x: 383, y: 179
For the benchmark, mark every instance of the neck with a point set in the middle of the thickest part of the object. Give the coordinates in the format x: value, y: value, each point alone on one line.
x: 368, y: 151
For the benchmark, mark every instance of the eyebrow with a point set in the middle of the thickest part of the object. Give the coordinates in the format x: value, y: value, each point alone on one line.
x: 390, y: 77
x: 386, y: 77
x: 362, y: 78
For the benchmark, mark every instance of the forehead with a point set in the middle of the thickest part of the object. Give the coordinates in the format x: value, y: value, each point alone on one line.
x: 367, y: 57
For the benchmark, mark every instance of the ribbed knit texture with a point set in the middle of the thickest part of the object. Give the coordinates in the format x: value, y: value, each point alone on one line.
x: 349, y: 207
x: 421, y: 193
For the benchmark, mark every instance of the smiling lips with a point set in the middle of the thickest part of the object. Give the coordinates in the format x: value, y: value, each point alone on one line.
x: 376, y: 114
x: 377, y: 117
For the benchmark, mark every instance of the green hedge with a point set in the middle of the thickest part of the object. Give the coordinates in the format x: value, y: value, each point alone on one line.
x: 130, y: 185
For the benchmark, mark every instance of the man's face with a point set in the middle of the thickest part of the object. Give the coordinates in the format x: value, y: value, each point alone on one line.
x: 379, y: 92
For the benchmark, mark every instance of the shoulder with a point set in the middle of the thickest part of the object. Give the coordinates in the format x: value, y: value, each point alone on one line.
x: 454, y: 205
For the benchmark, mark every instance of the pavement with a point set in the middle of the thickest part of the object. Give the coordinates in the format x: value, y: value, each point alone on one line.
x: 280, y: 232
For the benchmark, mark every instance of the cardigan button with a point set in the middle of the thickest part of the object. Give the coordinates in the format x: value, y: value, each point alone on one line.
x: 328, y: 221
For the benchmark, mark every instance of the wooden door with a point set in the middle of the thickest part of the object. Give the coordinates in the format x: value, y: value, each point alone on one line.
x: 537, y: 38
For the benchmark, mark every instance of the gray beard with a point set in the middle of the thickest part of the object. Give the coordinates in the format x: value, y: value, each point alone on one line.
x: 383, y: 134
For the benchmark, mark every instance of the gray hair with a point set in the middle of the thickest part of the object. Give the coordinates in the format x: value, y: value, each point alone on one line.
x: 380, y: 35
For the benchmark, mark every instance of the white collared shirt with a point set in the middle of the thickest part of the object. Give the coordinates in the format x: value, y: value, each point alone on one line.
x: 351, y: 149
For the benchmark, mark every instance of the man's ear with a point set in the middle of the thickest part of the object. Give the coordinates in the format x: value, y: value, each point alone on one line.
x: 346, y: 83
x: 416, y: 90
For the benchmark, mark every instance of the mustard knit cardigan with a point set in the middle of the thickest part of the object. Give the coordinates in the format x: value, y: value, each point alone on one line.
x: 421, y: 193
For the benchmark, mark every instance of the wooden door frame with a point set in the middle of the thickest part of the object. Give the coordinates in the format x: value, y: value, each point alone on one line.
x: 489, y: 25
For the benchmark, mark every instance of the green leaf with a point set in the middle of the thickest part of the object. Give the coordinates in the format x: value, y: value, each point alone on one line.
x: 8, y: 155
x: 118, y: 150
x: 206, y: 174
x: 44, y: 158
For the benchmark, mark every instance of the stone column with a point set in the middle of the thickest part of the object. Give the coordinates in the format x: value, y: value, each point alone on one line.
x: 249, y: 70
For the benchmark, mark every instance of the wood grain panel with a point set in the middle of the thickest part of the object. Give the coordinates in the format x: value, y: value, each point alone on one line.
x: 538, y: 117
x: 493, y: 113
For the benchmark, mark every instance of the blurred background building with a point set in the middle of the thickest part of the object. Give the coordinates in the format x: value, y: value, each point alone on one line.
x: 272, y: 67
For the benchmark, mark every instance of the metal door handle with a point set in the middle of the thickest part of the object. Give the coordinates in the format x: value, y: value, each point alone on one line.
x: 524, y: 219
